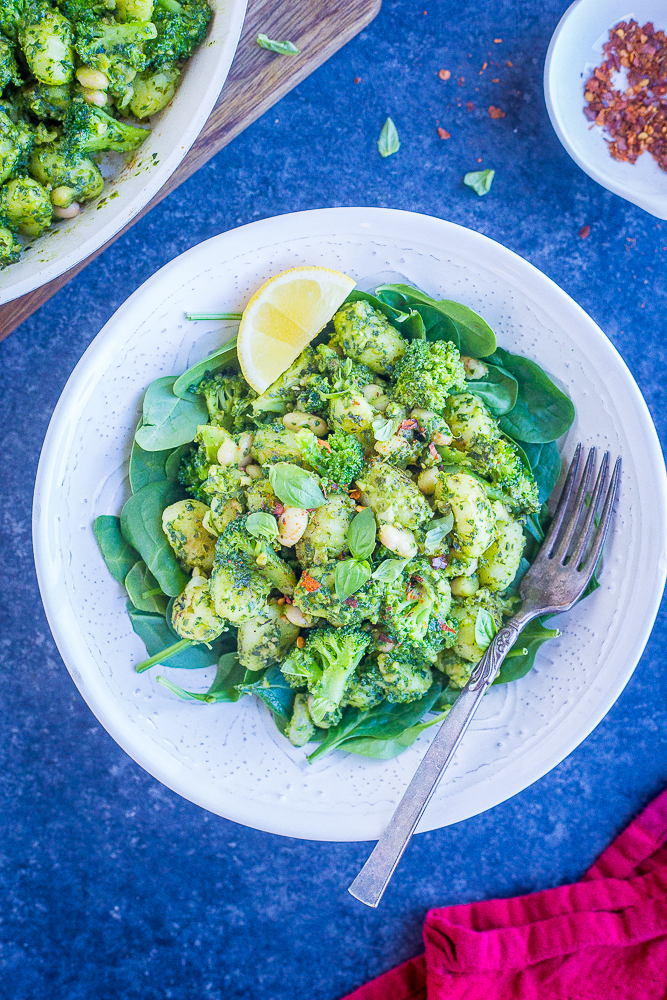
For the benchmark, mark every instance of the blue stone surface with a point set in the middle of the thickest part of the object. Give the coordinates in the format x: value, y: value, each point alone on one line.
x: 111, y: 885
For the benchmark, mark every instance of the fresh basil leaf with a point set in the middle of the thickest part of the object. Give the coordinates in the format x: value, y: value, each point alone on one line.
x: 282, y: 48
x: 542, y: 412
x: 389, y: 570
x: 272, y: 688
x: 350, y: 576
x: 480, y: 180
x: 447, y: 320
x: 144, y: 591
x: 141, y: 524
x: 361, y: 534
x: 388, y: 142
x: 384, y: 428
x: 223, y: 689
x: 146, y: 466
x: 117, y: 553
x: 156, y: 635
x: 436, y: 531
x: 295, y: 487
x: 169, y: 421
x: 485, y: 628
x: 224, y: 357
x: 262, y: 525
x: 521, y: 657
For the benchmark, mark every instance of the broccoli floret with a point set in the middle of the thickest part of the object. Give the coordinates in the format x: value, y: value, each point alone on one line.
x: 225, y: 482
x: 366, y: 336
x: 193, y: 614
x: 428, y: 373
x: 46, y: 38
x: 342, y: 373
x: 415, y: 607
x: 340, y: 457
x: 325, y: 537
x: 15, y: 144
x: 197, y: 463
x: 259, y: 553
x: 265, y: 639
x: 11, y: 13
x: 25, y: 204
x: 86, y: 10
x: 70, y: 176
x: 403, y: 678
x: 327, y: 662
x: 287, y: 388
x: 315, y: 595
x: 181, y: 27
x: 238, y: 589
x: 228, y: 398
x: 115, y: 49
x: 46, y: 102
x: 300, y: 728
x: 10, y: 248
x: 364, y: 690
x: 9, y: 71
x: 88, y: 130
x: 394, y: 497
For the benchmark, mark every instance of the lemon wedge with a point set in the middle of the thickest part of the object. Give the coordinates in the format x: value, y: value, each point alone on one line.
x: 283, y: 316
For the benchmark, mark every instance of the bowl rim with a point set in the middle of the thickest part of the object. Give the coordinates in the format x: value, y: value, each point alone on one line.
x: 157, y: 177
x: 560, y: 127
x: 153, y: 759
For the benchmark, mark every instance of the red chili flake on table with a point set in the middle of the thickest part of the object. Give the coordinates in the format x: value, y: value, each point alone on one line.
x: 278, y: 509
x: 510, y: 63
x: 357, y: 79
x: 495, y: 81
x: 496, y: 112
x: 469, y: 106
x: 497, y: 41
x: 309, y: 584
x: 584, y: 232
x: 461, y: 80
x: 443, y: 133
x: 483, y: 68
x: 635, y: 119
x: 444, y: 74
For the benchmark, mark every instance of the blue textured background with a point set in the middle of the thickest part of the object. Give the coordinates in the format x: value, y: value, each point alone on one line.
x: 113, y: 887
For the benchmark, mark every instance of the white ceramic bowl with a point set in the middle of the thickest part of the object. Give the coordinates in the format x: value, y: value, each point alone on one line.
x: 230, y: 758
x: 574, y: 52
x: 134, y: 180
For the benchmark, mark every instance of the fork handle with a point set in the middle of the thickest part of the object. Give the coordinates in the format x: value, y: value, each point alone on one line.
x: 371, y: 882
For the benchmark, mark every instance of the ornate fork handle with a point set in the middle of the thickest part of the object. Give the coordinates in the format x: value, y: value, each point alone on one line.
x: 372, y: 880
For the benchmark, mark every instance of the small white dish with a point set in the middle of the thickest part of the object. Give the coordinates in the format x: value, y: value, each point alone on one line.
x: 230, y: 758
x: 574, y: 52
x: 132, y: 181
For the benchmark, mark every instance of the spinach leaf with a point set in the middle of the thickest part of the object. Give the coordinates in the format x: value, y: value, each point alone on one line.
x: 388, y: 142
x: 224, y: 357
x: 224, y: 687
x: 173, y: 463
x: 144, y: 591
x: 141, y: 524
x: 480, y: 180
x: 119, y: 556
x: 542, y: 412
x: 169, y: 421
x: 361, y: 534
x: 272, y: 688
x: 158, y: 637
x: 282, y: 48
x: 385, y: 748
x: 147, y: 466
x: 295, y: 487
x: 350, y: 576
x: 521, y: 656
x: 545, y: 463
x: 447, y: 320
x: 498, y: 389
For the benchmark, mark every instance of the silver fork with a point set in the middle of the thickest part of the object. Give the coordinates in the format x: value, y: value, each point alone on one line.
x: 556, y: 580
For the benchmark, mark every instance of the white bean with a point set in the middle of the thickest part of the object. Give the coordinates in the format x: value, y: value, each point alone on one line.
x: 62, y: 196
x: 398, y: 540
x: 96, y: 97
x: 245, y: 444
x: 70, y: 212
x: 385, y: 647
x: 427, y: 481
x: 296, y: 616
x: 254, y: 471
x: 473, y: 368
x: 291, y: 525
x: 92, y: 79
x: 296, y: 420
x: 228, y: 453
x: 442, y: 438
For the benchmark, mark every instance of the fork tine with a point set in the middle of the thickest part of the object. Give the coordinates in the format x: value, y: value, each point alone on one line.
x: 560, y: 552
x: 559, y: 513
x: 589, y: 523
x: 591, y: 560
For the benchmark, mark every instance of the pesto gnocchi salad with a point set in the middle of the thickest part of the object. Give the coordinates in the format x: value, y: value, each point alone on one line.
x: 344, y: 544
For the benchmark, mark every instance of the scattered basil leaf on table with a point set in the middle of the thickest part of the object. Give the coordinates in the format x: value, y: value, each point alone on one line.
x: 542, y: 412
x: 141, y: 524
x: 282, y: 48
x: 521, y: 657
x: 117, y: 553
x: 480, y: 180
x: 389, y: 570
x: 262, y: 525
x: 229, y: 674
x: 144, y: 591
x: 485, y: 628
x: 169, y: 421
x: 388, y: 142
x: 350, y: 576
x: 295, y: 487
x: 436, y: 531
x: 361, y: 534
x: 215, y: 362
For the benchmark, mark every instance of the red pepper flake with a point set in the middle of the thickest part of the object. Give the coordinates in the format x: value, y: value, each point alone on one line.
x: 496, y: 112
x: 584, y: 232
x: 461, y: 80
x: 444, y: 74
x: 324, y: 444
x: 357, y: 79
x: 433, y: 451
x: 355, y: 494
x: 443, y: 133
x: 410, y: 424
x: 636, y: 119
x: 470, y: 106
x: 301, y: 642
x: 479, y: 159
x: 278, y: 509
x: 308, y: 583
x: 447, y: 628
x: 510, y: 63
x: 495, y: 81
x: 352, y: 602
x: 383, y: 637
x: 483, y: 68
x: 439, y: 562
x: 497, y: 41
x: 288, y: 600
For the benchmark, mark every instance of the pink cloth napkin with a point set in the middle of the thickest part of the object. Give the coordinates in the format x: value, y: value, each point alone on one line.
x: 603, y: 938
